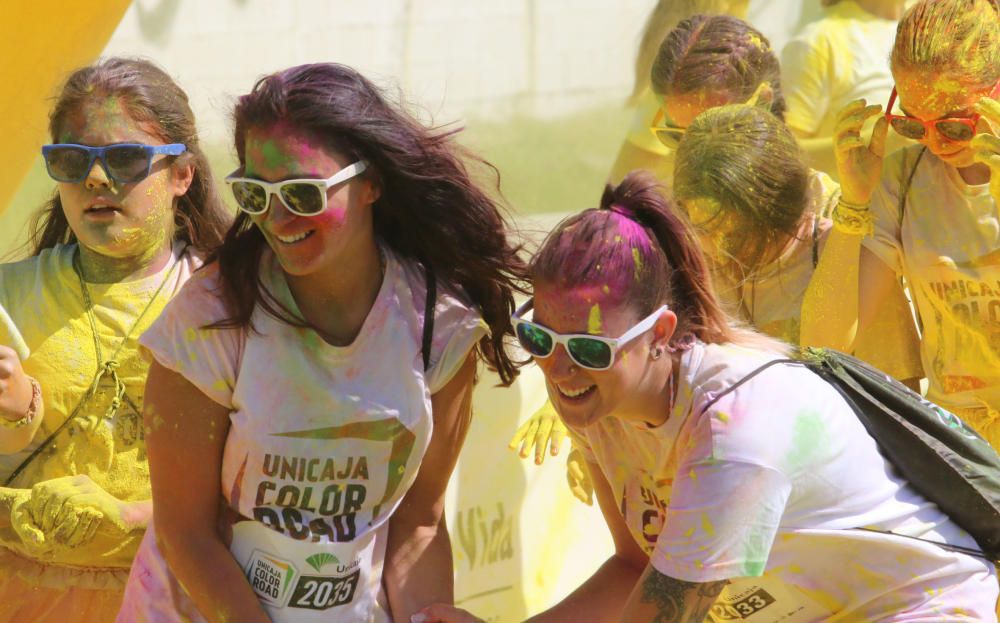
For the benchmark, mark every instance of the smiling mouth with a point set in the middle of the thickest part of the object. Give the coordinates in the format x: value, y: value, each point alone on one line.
x: 296, y: 238
x: 576, y: 394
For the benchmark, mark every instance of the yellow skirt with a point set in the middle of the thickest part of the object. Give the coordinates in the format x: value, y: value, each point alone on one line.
x: 37, y: 593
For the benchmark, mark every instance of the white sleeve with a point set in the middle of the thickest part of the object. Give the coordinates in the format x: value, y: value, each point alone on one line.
x: 178, y: 340
x: 457, y: 329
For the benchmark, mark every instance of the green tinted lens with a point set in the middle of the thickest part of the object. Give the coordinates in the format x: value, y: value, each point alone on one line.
x: 250, y: 197
x: 67, y: 164
x: 909, y: 128
x: 955, y: 130
x: 306, y: 199
x: 127, y: 163
x: 534, y: 339
x: 589, y: 353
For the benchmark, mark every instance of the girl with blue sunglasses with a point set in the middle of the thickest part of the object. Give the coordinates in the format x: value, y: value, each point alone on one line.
x: 134, y: 212
x: 725, y: 496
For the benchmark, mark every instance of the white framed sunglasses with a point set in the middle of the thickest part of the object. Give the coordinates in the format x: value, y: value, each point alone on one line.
x: 304, y: 197
x: 593, y: 352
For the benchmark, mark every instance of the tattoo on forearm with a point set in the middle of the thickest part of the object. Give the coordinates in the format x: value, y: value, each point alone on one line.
x: 677, y: 601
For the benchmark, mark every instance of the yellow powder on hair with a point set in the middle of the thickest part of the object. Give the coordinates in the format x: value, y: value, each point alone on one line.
x: 594, y: 320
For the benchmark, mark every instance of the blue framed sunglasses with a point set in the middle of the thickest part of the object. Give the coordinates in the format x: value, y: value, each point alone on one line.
x: 594, y: 352
x: 125, y: 163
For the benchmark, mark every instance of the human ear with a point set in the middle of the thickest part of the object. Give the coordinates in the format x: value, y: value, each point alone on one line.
x: 663, y: 330
x: 181, y: 178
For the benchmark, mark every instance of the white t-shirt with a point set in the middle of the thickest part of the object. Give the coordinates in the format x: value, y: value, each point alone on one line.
x: 768, y: 487
x: 834, y: 61
x: 323, y: 444
x: 948, y: 249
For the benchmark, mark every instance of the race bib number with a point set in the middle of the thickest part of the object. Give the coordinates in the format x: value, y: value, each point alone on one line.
x: 303, y: 581
x: 765, y: 601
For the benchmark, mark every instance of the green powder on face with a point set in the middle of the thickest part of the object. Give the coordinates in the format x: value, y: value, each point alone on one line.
x: 594, y: 321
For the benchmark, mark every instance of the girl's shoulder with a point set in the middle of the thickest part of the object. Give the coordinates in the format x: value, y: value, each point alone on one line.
x: 51, y: 268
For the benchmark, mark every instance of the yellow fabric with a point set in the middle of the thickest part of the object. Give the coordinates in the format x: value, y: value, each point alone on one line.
x: 23, y: 600
x: 834, y: 61
x: 516, y: 529
x: 48, y: 38
x: 44, y: 302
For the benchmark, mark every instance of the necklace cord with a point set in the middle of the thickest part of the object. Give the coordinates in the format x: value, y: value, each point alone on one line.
x: 109, y: 367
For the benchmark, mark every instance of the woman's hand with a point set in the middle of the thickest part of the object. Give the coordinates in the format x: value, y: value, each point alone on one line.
x: 544, y: 428
x: 67, y: 513
x: 15, y: 386
x: 987, y: 145
x: 859, y: 165
x: 441, y: 613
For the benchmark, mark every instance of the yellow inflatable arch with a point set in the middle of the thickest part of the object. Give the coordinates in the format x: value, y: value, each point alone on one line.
x: 43, y: 40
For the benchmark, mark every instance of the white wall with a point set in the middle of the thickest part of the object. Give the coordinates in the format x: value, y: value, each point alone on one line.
x: 451, y: 57
x: 454, y: 58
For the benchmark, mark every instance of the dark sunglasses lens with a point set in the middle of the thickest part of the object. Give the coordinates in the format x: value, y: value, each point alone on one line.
x: 590, y: 353
x: 67, y: 164
x: 955, y: 130
x: 534, y: 339
x: 250, y: 197
x: 127, y: 163
x: 908, y: 128
x: 304, y: 199
x: 670, y: 137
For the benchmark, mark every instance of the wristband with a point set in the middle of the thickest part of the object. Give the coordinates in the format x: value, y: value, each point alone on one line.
x: 853, y: 218
x: 33, y: 406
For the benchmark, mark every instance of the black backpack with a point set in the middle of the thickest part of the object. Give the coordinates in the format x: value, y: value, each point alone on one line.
x: 938, y: 454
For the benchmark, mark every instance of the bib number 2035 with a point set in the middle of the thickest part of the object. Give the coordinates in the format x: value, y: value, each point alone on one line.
x: 317, y: 592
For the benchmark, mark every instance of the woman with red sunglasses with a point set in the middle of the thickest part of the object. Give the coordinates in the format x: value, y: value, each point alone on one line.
x: 928, y: 213
x: 728, y: 498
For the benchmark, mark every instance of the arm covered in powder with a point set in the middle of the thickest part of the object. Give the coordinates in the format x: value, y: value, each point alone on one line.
x: 418, y: 561
x: 185, y: 458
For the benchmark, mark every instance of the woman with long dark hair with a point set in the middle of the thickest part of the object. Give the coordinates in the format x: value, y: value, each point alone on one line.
x: 318, y: 373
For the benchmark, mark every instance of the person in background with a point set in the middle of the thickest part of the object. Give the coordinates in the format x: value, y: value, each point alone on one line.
x: 640, y: 150
x: 927, y: 213
x: 842, y: 57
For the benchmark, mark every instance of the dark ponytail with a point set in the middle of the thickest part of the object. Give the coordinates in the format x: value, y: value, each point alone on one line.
x: 638, y: 249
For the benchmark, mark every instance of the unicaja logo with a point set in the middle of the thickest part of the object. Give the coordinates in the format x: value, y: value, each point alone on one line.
x: 318, y: 561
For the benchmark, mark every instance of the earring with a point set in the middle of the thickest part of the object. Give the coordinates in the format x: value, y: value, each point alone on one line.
x: 655, y: 353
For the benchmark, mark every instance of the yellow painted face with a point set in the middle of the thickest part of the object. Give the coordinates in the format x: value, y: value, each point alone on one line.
x: 112, y: 219
x: 928, y: 97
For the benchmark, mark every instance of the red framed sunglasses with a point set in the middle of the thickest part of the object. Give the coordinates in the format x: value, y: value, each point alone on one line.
x: 959, y: 129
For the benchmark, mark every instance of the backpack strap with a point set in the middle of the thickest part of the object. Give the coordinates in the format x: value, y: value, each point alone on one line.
x: 428, y: 334
x: 749, y: 376
x: 905, y: 188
